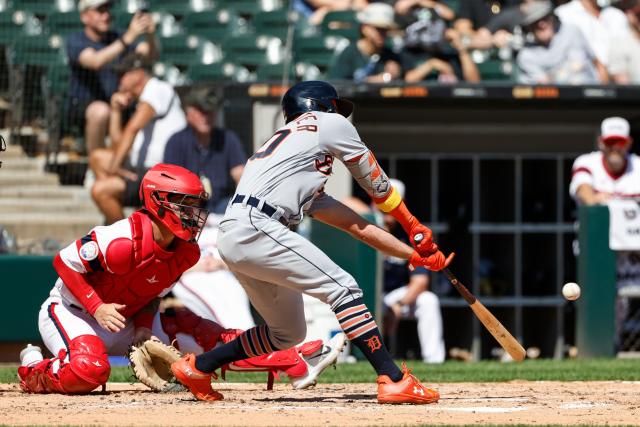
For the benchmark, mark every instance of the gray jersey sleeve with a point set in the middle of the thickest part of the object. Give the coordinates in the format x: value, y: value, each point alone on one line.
x: 340, y: 138
x: 323, y: 201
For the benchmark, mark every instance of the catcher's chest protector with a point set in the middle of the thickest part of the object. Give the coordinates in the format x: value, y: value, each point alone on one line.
x: 152, y: 269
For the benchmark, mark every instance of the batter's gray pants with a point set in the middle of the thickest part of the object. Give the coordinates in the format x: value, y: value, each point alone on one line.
x: 275, y: 266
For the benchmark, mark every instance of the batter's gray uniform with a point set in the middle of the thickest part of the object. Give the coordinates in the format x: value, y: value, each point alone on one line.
x: 274, y: 264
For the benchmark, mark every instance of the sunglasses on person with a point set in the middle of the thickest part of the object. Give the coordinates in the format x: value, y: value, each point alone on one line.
x: 105, y: 8
x: 615, y: 142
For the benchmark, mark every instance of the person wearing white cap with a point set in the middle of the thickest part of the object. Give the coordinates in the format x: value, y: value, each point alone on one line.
x: 610, y: 172
x: 91, y: 55
x: 368, y: 59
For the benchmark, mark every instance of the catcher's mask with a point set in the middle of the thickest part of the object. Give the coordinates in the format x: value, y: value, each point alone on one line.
x: 176, y: 197
x: 313, y: 96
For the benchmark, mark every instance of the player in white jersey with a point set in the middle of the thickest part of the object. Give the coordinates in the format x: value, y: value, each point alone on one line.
x: 611, y: 172
x: 283, y: 181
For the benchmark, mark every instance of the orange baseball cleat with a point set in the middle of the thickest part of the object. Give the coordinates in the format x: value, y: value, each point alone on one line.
x: 198, y: 383
x: 407, y: 390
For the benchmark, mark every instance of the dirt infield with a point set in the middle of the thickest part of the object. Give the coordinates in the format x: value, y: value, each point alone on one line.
x: 521, y: 402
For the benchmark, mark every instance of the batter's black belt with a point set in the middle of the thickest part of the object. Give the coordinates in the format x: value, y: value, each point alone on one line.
x: 266, y: 208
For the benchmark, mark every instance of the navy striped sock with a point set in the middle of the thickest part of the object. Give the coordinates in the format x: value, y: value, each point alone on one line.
x: 360, y: 327
x: 252, y: 342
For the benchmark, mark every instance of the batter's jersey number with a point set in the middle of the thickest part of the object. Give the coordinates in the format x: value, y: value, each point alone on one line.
x: 273, y: 142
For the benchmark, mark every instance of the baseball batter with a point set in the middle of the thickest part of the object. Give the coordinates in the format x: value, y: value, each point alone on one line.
x: 282, y: 182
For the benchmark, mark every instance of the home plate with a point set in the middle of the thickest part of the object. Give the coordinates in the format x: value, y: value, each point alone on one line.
x: 485, y: 409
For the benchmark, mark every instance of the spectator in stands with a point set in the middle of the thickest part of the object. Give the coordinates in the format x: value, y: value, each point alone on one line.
x: 598, y: 24
x: 426, y: 51
x: 140, y: 144
x: 406, y: 293
x: 315, y: 10
x: 92, y: 54
x: 559, y: 54
x: 213, y: 153
x: 369, y: 59
x: 612, y: 172
x: 624, y: 60
x: 502, y: 30
x: 476, y: 14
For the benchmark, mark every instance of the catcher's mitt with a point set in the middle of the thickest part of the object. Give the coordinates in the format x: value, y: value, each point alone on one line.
x: 151, y: 363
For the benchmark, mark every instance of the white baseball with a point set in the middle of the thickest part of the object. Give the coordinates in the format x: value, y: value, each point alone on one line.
x: 571, y: 291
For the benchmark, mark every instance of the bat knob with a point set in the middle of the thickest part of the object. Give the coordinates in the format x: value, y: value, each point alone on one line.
x: 418, y: 238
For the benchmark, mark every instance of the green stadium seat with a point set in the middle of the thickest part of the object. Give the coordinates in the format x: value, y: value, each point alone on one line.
x: 494, y: 70
x: 214, y: 25
x: 174, y: 7
x: 251, y: 51
x: 274, y: 23
x: 18, y: 24
x: 273, y: 72
x: 221, y: 71
x: 42, y: 51
x: 243, y: 7
x: 341, y: 23
x: 37, y: 7
x: 63, y: 23
x: 180, y: 50
x: 317, y: 50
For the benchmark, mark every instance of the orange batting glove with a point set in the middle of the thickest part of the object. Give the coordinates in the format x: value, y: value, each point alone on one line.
x: 433, y: 262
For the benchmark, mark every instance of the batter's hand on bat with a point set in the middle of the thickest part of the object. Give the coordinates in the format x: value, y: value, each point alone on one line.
x: 422, y: 240
x: 434, y: 262
x: 109, y: 317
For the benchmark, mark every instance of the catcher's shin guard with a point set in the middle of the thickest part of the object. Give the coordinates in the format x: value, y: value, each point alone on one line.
x: 181, y: 320
x: 87, y: 369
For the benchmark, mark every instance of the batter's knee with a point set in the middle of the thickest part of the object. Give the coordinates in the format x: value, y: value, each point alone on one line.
x: 343, y: 293
x: 293, y: 335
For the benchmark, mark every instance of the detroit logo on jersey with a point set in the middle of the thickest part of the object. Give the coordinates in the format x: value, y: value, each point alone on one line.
x: 89, y: 251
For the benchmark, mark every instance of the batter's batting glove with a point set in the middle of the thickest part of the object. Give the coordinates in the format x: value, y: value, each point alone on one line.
x: 434, y: 262
x: 421, y: 238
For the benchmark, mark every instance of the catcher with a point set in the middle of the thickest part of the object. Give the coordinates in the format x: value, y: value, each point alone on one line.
x: 109, y: 282
x: 151, y: 360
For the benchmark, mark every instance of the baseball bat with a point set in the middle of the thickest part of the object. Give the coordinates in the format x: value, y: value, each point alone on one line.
x: 493, y: 325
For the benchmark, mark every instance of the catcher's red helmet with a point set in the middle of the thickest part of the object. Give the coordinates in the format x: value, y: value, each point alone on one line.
x: 176, y: 197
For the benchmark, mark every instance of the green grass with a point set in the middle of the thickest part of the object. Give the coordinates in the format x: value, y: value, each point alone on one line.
x: 489, y: 371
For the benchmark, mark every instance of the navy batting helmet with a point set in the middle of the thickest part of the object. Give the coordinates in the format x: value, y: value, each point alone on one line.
x: 313, y: 96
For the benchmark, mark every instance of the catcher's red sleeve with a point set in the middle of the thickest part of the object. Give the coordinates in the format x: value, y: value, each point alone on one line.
x: 78, y: 285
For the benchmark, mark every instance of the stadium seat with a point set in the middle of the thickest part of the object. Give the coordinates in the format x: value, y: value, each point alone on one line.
x: 169, y: 73
x: 18, y: 24
x: 341, y: 23
x: 174, y: 7
x: 180, y: 50
x: 250, y: 7
x: 63, y: 23
x: 251, y: 51
x: 273, y: 72
x: 28, y: 58
x: 274, y: 23
x: 318, y: 50
x: 42, y: 51
x: 222, y: 71
x: 214, y: 25
x: 37, y: 7
x: 494, y: 70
